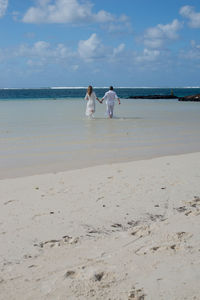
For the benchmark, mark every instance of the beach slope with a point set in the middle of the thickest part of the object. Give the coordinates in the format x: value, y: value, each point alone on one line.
x: 121, y: 231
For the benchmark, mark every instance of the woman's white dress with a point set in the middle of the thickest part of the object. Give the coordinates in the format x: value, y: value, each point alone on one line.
x: 90, y: 108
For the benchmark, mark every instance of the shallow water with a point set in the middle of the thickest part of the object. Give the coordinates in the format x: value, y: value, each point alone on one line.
x: 39, y: 136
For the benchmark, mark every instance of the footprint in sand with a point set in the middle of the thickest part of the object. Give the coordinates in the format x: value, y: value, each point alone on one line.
x: 98, y: 276
x: 70, y: 274
x: 191, y: 207
x: 92, y: 232
x: 117, y: 225
x: 181, y: 209
x: 136, y: 294
x: 100, y: 198
x: 58, y: 242
x: 156, y: 217
x: 141, y: 231
x: 9, y: 201
x: 156, y: 248
x: 174, y: 242
x: 133, y: 223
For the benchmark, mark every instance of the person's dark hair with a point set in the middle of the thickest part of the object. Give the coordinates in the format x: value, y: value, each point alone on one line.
x: 111, y: 88
x: 89, y: 90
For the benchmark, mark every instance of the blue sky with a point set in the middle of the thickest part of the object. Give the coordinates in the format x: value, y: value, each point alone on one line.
x: 133, y: 43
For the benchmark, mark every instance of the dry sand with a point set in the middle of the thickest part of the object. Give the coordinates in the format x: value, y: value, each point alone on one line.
x: 121, y: 231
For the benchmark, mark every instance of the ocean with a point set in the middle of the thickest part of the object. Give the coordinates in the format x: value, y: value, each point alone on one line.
x: 79, y: 92
x: 45, y: 130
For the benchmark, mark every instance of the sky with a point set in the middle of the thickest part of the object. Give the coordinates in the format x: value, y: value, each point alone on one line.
x: 124, y: 43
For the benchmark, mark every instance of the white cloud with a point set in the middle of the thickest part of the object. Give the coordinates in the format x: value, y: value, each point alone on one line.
x: 76, y: 12
x: 119, y: 26
x: 147, y: 56
x: 103, y: 17
x: 40, y: 48
x: 92, y: 48
x: 158, y: 36
x: 189, y: 13
x: 118, y: 50
x: 193, y: 53
x: 65, y: 11
x: 3, y: 7
x: 75, y: 67
x: 58, y: 11
x: 42, y: 53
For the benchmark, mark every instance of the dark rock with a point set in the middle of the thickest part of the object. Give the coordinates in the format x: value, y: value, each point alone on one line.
x: 195, y: 98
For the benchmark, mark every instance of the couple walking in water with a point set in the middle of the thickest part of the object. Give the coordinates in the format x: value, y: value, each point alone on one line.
x: 109, y: 97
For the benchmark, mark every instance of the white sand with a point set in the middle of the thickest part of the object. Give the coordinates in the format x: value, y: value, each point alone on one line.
x: 121, y: 231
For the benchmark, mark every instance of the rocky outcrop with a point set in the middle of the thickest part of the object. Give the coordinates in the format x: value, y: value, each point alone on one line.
x: 195, y: 98
x: 154, y: 97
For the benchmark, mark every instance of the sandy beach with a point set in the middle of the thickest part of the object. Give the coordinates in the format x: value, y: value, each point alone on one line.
x: 118, y: 231
x: 99, y: 150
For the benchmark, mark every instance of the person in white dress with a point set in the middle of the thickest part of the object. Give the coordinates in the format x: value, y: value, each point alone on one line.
x: 91, y: 98
x: 110, y: 98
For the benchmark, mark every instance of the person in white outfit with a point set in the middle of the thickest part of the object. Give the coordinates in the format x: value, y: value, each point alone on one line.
x: 91, y: 98
x: 110, y: 98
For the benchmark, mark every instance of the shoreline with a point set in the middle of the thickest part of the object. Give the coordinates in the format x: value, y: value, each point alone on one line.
x: 119, y: 231
x: 57, y: 168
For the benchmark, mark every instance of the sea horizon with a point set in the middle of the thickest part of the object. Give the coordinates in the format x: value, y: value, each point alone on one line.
x: 101, y: 87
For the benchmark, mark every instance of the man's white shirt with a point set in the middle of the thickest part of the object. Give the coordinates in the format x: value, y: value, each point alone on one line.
x: 110, y: 97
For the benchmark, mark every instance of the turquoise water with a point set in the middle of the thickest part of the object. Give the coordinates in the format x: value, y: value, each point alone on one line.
x: 54, y: 135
